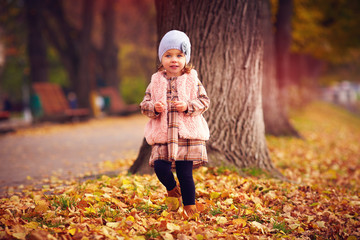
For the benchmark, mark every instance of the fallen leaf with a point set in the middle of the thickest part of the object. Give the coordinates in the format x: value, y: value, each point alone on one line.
x: 172, y: 227
x: 172, y: 203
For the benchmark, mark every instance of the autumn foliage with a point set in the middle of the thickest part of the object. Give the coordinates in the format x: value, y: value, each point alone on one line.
x: 320, y: 201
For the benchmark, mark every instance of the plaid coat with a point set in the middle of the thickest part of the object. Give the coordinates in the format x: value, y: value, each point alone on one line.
x: 192, y: 124
x: 177, y: 145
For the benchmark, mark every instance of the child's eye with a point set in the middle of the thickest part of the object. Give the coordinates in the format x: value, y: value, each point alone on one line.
x: 180, y: 55
x: 168, y: 56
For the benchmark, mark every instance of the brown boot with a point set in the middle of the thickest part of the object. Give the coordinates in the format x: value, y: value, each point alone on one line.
x: 190, y: 212
x: 173, y: 200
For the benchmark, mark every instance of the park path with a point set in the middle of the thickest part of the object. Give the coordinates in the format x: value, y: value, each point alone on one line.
x: 67, y: 149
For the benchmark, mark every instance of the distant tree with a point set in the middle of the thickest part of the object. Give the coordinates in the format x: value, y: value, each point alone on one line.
x: 36, y: 45
x: 2, y: 51
x: 227, y: 47
x: 328, y: 30
x: 275, y: 117
x: 108, y: 54
x: 282, y: 46
x: 74, y: 45
x: 14, y: 40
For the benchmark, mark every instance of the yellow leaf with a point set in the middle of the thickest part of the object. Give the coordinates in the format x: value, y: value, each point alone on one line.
x: 232, y: 207
x: 130, y: 218
x: 41, y: 206
x: 15, y: 199
x: 259, y: 206
x: 118, y: 203
x: 199, y: 237
x: 239, y: 221
x: 19, y: 235
x: 172, y: 227
x: 351, y: 238
x: 214, y: 195
x: 172, y: 203
x: 90, y: 210
x: 248, y: 212
x: 331, y: 174
x: 72, y: 231
x: 126, y: 184
x: 31, y: 225
x: 139, y: 238
x: 164, y: 213
x: 300, y: 230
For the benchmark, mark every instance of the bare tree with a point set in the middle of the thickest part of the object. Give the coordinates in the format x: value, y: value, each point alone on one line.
x: 227, y: 51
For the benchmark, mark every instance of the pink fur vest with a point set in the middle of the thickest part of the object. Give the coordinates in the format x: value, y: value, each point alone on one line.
x: 190, y: 127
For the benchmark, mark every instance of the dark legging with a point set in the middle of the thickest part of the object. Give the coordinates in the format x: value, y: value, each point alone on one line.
x: 184, y: 174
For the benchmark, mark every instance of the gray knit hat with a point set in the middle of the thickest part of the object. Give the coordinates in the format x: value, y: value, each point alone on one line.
x: 175, y: 39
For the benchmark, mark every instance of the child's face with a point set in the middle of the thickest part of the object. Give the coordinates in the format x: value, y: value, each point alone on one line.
x: 173, y: 61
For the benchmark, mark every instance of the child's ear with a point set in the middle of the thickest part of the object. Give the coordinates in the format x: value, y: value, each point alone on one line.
x: 161, y: 67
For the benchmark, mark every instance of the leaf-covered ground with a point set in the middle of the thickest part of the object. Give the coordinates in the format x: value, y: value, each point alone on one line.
x: 321, y: 201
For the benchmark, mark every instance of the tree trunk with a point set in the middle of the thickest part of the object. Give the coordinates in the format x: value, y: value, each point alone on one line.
x: 282, y: 45
x: 141, y: 164
x: 227, y: 49
x: 86, y: 76
x: 36, y: 45
x: 109, y: 59
x: 275, y: 118
x: 74, y: 46
x: 2, y: 53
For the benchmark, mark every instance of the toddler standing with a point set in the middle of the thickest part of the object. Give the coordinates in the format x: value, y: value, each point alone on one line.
x: 174, y: 101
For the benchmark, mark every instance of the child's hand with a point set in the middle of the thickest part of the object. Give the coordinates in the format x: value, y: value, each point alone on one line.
x: 159, y: 107
x: 180, y: 106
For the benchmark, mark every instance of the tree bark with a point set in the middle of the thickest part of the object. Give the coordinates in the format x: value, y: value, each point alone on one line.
x: 141, y: 164
x: 275, y: 117
x: 36, y: 45
x: 227, y: 48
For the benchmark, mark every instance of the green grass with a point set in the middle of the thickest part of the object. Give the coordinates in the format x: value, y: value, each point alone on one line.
x: 281, y: 227
x: 63, y: 202
x: 215, y: 211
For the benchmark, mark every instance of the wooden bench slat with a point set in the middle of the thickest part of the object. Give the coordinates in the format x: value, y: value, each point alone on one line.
x: 54, y: 102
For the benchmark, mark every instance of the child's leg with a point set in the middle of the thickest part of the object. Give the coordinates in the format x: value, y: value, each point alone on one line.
x: 187, y: 185
x: 164, y: 174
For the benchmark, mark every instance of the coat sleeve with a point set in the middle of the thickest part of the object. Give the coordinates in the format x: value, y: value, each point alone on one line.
x: 147, y: 105
x: 200, y: 104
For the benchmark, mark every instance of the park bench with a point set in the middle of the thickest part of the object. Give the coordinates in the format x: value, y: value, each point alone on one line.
x: 4, y: 115
x: 54, y: 105
x: 116, y: 104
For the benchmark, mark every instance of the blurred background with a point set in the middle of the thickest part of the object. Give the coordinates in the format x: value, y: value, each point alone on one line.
x: 101, y: 54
